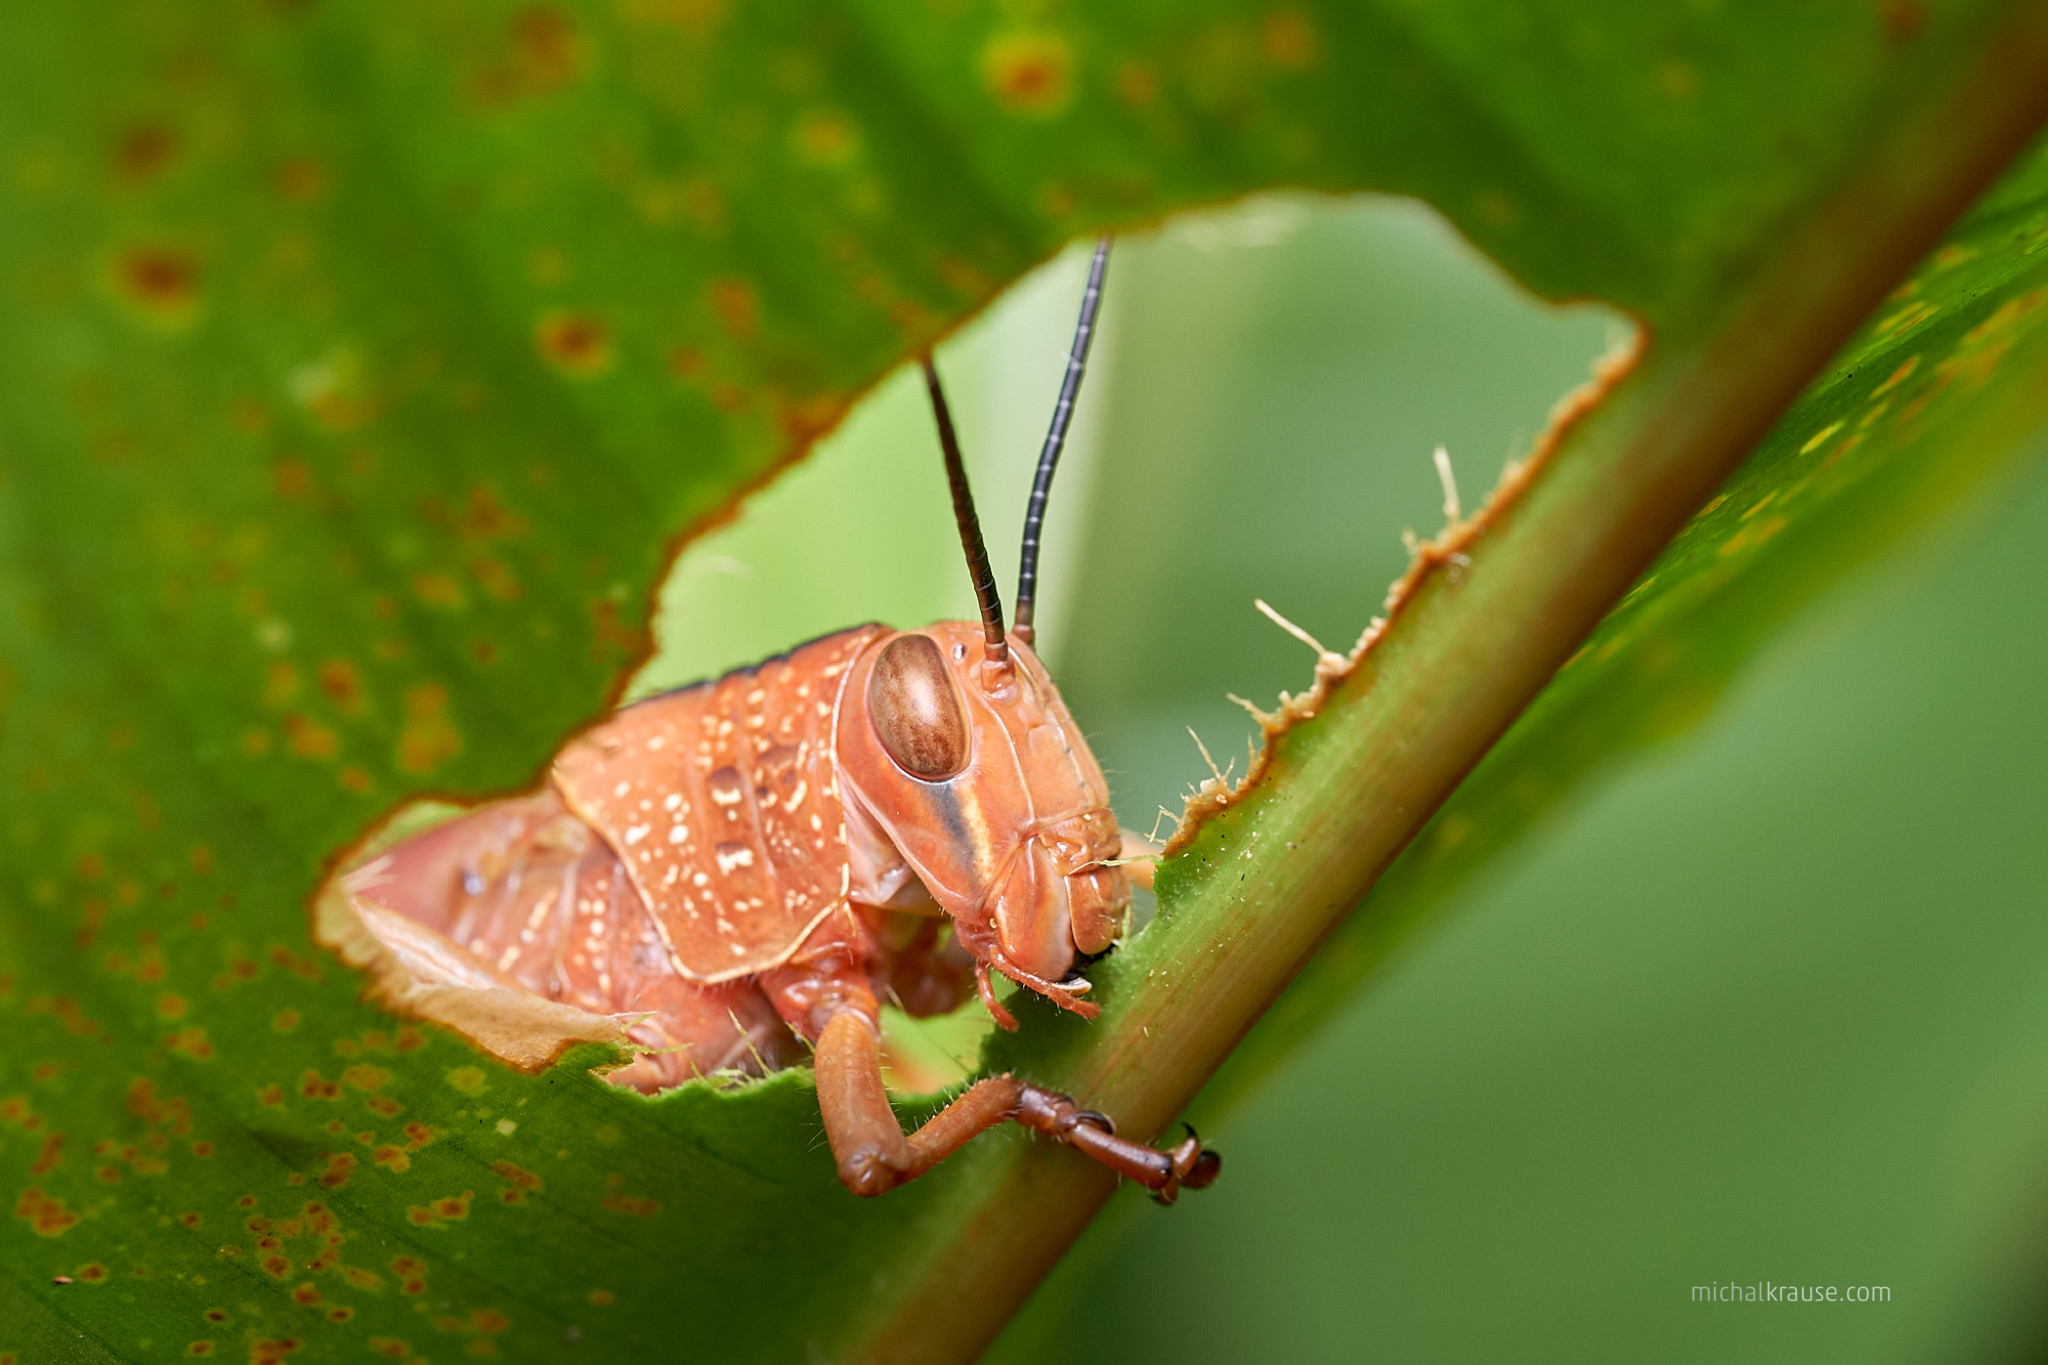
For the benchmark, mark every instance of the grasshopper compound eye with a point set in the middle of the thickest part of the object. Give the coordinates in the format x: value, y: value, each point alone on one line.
x: 917, y: 715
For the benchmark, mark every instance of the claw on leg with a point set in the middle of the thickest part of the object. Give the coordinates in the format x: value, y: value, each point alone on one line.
x: 1188, y: 1165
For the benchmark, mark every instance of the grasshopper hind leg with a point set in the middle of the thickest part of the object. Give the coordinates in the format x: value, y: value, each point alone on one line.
x: 875, y: 1155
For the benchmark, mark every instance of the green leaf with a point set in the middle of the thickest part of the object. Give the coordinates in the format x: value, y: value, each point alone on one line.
x: 358, y: 365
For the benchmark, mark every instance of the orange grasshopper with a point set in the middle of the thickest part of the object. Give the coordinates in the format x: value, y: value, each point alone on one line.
x: 754, y: 863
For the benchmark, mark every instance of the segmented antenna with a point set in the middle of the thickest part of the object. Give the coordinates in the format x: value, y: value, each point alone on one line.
x: 1055, y: 441
x: 994, y: 646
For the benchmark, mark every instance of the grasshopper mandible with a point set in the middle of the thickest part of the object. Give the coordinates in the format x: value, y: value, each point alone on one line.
x: 762, y: 859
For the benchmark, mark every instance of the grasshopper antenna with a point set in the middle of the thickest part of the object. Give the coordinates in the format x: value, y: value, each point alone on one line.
x: 1055, y: 441
x: 995, y: 646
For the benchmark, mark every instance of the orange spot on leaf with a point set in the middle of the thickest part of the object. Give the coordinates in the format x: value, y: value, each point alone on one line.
x: 308, y: 738
x: 1898, y: 376
x: 1031, y: 74
x: 1289, y: 39
x: 367, y: 1280
x: 803, y: 420
x: 624, y: 1203
x: 192, y: 1042
x: 300, y: 180
x: 545, y: 55
x: 342, y: 681
x: 519, y: 1181
x: 159, y: 282
x: 495, y: 578
x: 429, y: 737
x: 51, y: 1156
x: 438, y: 590
x: 142, y: 153
x: 578, y: 344
x: 46, y: 1214
x: 737, y: 307
x: 365, y: 1077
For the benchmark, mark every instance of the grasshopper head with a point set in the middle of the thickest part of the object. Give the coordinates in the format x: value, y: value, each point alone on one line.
x: 980, y: 780
x: 952, y: 740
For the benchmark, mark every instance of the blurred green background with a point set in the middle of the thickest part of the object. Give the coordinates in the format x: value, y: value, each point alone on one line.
x: 1766, y: 1004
